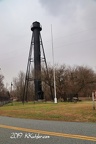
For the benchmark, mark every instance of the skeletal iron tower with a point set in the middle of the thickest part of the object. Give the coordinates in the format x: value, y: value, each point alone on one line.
x: 35, y: 48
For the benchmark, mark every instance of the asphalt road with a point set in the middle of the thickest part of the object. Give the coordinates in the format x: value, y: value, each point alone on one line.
x: 25, y: 131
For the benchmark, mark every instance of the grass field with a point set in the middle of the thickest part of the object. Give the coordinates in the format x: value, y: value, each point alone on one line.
x: 77, y: 112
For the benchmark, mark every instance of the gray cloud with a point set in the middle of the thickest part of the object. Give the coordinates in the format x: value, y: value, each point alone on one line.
x: 54, y: 6
x: 60, y: 7
x: 65, y: 9
x: 77, y: 14
x: 73, y: 16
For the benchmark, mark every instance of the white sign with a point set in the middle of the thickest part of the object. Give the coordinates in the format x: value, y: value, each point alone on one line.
x: 93, y: 99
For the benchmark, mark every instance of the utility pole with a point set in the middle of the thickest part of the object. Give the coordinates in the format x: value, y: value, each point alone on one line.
x: 55, y: 98
x: 11, y: 92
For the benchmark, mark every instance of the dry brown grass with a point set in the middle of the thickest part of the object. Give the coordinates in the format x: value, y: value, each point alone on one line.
x: 80, y: 112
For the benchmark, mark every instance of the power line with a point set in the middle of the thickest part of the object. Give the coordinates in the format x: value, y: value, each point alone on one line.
x: 71, y: 34
x: 76, y: 42
x: 76, y: 33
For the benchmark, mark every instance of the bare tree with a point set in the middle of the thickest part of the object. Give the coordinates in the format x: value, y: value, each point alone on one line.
x: 79, y: 80
x: 18, y: 85
x: 1, y: 83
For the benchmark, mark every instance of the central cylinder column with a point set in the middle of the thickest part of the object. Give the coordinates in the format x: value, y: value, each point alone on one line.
x: 36, y: 28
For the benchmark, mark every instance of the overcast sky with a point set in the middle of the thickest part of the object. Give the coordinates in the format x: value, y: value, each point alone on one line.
x: 74, y: 32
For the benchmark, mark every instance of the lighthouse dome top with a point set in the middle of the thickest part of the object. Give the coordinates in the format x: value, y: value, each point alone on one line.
x: 36, y: 25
